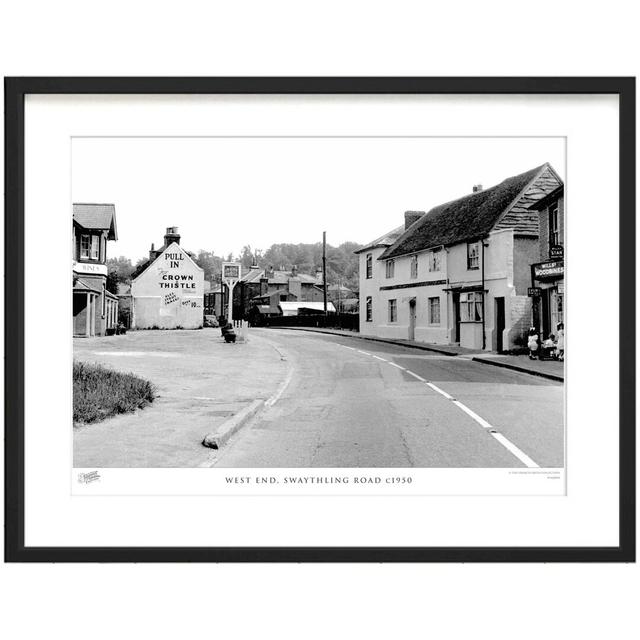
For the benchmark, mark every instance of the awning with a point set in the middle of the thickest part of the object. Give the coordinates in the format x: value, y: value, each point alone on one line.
x: 82, y: 286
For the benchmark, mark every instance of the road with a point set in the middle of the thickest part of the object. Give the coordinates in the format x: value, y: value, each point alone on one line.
x: 357, y: 403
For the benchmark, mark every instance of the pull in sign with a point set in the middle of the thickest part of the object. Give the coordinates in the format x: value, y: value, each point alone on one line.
x: 230, y: 276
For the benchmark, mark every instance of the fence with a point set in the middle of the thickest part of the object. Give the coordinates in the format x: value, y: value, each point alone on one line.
x: 241, y: 327
x: 348, y: 321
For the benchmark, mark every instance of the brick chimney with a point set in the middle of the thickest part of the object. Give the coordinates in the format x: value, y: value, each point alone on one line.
x: 477, y: 188
x: 294, y: 271
x: 172, y: 235
x: 152, y: 252
x: 411, y: 216
x: 319, y: 278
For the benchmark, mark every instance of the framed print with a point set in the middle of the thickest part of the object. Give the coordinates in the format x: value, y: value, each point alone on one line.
x: 320, y: 319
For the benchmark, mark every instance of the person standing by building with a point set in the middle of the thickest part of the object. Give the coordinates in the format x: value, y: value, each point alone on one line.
x: 560, y: 344
x: 532, y: 343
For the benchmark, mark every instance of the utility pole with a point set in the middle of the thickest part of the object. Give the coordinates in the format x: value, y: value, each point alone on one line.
x: 324, y: 270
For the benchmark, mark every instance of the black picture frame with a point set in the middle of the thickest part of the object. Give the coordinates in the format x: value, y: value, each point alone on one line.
x: 15, y: 91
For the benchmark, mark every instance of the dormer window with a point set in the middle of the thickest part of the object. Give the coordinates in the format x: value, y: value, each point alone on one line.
x: 473, y: 255
x: 390, y: 268
x: 89, y: 247
x: 414, y: 266
x: 434, y: 260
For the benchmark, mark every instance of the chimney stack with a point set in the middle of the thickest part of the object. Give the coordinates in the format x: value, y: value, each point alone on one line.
x: 294, y: 271
x: 152, y: 253
x: 319, y: 278
x: 477, y: 188
x: 411, y: 216
x: 172, y: 235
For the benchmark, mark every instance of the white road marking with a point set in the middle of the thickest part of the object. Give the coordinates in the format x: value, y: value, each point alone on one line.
x: 345, y: 346
x: 518, y: 453
x: 481, y: 421
x: 505, y: 442
x: 442, y: 392
x: 276, y: 396
x: 138, y: 354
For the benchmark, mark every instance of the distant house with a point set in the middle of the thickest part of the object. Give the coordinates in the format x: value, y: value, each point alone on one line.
x: 95, y: 310
x: 459, y: 273
x: 257, y: 282
x: 344, y: 299
x: 167, y: 290
x: 291, y: 308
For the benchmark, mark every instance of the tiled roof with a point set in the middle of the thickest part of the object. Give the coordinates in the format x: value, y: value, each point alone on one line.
x: 83, y: 285
x: 383, y: 241
x: 96, y: 216
x: 278, y: 277
x: 473, y: 216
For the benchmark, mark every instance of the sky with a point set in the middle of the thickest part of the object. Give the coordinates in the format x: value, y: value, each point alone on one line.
x: 225, y: 193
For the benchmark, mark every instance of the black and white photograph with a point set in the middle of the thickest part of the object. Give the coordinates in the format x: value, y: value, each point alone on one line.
x: 332, y: 302
x: 313, y: 327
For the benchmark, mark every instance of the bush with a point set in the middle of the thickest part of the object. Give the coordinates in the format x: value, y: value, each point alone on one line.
x: 99, y: 392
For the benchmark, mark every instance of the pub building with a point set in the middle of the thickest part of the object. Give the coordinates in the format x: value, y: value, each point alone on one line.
x: 95, y: 310
x: 167, y: 289
x: 547, y: 276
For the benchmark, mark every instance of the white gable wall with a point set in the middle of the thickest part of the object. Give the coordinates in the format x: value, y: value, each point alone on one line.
x: 169, y: 293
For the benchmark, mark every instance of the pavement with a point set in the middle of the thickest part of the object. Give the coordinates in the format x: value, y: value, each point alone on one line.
x: 551, y: 369
x: 202, y: 382
x: 376, y: 404
x: 319, y: 400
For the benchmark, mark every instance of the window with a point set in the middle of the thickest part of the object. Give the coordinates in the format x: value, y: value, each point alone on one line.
x: 90, y: 247
x: 471, y: 307
x: 369, y: 307
x: 393, y: 311
x: 85, y: 246
x: 554, y: 236
x: 414, y: 266
x: 434, y: 260
x: 95, y: 247
x: 391, y: 267
x: 434, y: 310
x: 369, y: 265
x: 473, y: 255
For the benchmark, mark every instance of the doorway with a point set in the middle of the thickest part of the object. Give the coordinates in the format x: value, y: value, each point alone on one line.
x: 456, y: 317
x: 412, y: 319
x: 500, y: 322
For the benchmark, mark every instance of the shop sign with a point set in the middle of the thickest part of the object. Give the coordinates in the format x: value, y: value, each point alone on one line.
x: 94, y: 269
x: 556, y: 252
x: 552, y: 269
x: 534, y: 292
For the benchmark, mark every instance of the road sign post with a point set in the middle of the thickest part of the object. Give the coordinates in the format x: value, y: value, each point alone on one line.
x: 230, y: 276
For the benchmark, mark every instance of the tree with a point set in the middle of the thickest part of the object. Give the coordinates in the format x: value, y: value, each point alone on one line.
x: 119, y: 271
x: 122, y: 267
x: 211, y: 264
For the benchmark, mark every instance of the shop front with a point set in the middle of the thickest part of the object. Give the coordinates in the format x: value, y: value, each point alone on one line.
x: 548, y: 299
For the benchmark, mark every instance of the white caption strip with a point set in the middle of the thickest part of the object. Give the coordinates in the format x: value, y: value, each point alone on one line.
x: 505, y: 442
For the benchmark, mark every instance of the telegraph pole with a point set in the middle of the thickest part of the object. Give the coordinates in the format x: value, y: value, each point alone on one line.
x: 324, y: 270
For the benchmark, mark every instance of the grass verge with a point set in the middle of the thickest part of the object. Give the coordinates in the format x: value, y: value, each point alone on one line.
x: 99, y: 392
